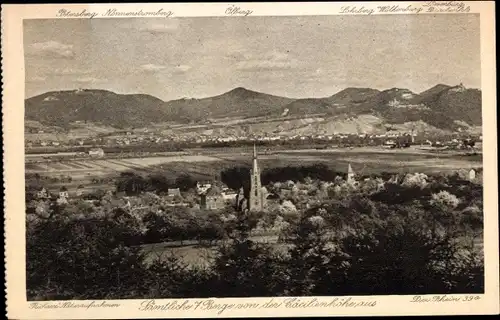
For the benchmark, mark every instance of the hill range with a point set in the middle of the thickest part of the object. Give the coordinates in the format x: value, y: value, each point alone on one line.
x: 441, y: 107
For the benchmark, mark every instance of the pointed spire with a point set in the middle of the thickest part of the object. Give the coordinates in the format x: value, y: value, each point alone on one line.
x: 254, y: 151
x: 349, y: 170
x: 350, y: 174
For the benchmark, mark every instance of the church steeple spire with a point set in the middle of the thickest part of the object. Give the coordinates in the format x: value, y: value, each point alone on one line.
x: 350, y: 174
x: 256, y: 201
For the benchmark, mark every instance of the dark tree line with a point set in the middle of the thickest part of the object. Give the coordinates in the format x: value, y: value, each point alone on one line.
x: 239, y: 177
x: 316, y: 171
x: 179, y: 225
x: 133, y: 184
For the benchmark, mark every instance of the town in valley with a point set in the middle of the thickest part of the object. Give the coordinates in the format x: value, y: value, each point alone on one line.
x: 256, y: 156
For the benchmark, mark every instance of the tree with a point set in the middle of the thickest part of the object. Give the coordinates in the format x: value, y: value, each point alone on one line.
x: 307, y: 256
x: 394, y: 193
x: 244, y: 268
x: 443, y: 214
x: 131, y: 183
x: 400, y: 257
x: 185, y: 182
x: 82, y: 259
x: 213, y: 228
x: 31, y: 188
x: 167, y: 277
x: 471, y: 221
x: 157, y: 227
x: 159, y: 183
x: 237, y: 178
x: 98, y: 194
x: 444, y: 198
x: 240, y: 227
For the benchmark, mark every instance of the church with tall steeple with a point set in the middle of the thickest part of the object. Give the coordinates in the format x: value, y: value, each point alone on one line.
x: 256, y: 200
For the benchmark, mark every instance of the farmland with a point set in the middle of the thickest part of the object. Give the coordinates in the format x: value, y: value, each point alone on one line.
x: 202, y: 164
x: 106, y: 166
x: 99, y: 173
x: 206, y: 164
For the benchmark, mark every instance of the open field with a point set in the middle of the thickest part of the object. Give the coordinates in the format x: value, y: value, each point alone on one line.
x: 207, y: 163
x: 197, y: 255
x: 362, y: 161
x: 192, y: 253
x: 99, y: 166
x: 377, y: 158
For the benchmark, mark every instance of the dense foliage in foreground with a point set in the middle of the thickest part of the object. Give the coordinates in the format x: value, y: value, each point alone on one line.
x: 416, y: 237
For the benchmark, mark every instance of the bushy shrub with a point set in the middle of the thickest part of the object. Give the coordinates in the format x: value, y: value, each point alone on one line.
x: 169, y: 277
x: 248, y: 269
x: 82, y: 259
x: 444, y: 198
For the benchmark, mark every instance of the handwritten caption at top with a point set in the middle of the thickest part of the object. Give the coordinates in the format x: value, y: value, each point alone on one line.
x: 425, y: 7
x: 237, y: 11
x: 113, y: 12
x: 66, y: 13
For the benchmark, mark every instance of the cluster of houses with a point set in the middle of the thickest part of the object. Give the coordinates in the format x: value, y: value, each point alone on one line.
x: 61, y: 197
x: 299, y: 137
x: 389, y: 138
x: 456, y: 144
x: 213, y: 195
x: 130, y: 139
x: 210, y: 196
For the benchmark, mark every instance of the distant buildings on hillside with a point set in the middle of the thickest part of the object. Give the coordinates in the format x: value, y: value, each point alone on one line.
x: 197, y: 139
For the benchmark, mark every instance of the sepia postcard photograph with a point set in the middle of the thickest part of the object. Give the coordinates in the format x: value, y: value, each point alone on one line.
x: 239, y: 159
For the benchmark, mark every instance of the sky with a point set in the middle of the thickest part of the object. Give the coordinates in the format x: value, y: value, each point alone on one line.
x: 296, y: 57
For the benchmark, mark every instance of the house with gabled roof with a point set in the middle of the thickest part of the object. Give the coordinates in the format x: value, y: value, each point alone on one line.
x: 212, y: 199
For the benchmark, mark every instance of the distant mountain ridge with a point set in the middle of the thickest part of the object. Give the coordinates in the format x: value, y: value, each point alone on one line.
x: 59, y: 108
x: 239, y: 102
x: 445, y: 107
